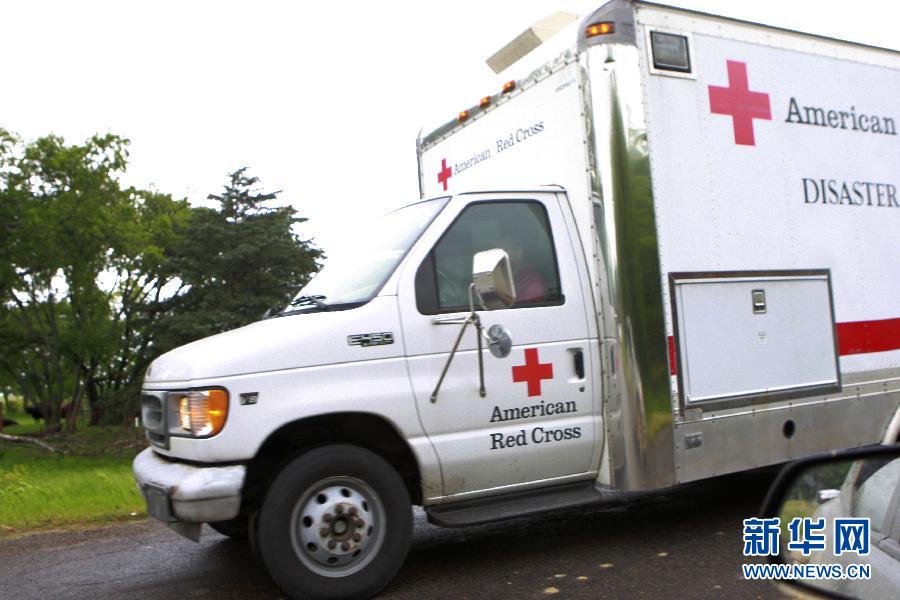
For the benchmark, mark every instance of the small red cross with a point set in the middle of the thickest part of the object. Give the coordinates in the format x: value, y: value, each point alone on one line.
x: 445, y: 174
x: 532, y: 372
x: 738, y: 101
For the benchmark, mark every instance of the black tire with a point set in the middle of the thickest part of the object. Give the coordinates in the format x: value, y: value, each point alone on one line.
x: 342, y: 494
x: 253, y: 536
x: 235, y: 528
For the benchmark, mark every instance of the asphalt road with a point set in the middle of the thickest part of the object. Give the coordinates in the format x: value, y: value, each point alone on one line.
x: 685, y: 543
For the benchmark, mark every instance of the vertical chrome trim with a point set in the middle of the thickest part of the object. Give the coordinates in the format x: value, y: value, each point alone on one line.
x: 596, y: 262
x: 636, y: 384
x: 419, y: 150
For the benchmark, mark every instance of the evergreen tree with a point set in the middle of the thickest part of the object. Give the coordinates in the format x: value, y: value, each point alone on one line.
x: 236, y: 262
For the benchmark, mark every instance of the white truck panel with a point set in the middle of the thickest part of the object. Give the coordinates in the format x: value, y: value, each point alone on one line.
x: 759, y: 206
x: 536, y: 136
x: 728, y: 347
x: 534, y: 126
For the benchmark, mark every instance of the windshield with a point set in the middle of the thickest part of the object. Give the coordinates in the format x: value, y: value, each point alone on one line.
x: 356, y: 272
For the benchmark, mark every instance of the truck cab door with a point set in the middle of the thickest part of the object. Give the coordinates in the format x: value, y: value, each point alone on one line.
x: 538, y: 423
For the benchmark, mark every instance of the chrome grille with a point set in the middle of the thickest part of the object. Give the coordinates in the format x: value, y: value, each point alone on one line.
x: 153, y: 418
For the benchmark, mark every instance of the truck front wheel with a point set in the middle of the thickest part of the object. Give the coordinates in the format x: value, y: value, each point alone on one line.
x: 335, y: 523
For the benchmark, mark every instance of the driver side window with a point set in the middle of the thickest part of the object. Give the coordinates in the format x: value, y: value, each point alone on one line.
x: 521, y: 228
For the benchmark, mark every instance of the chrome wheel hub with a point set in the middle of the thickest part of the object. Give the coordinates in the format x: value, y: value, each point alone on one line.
x: 336, y: 527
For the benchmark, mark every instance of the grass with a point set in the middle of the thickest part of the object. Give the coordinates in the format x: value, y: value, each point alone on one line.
x: 25, y: 424
x: 44, y: 490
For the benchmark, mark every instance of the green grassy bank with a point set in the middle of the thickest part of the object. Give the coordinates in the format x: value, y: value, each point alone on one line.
x: 93, y: 483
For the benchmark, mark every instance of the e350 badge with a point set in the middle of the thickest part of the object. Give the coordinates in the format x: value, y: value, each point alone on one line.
x: 371, y: 339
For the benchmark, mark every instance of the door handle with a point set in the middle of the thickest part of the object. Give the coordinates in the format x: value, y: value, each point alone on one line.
x: 578, y: 358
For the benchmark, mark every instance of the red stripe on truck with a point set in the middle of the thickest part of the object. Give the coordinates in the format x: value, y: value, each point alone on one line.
x: 855, y: 337
x: 860, y: 337
x: 673, y: 358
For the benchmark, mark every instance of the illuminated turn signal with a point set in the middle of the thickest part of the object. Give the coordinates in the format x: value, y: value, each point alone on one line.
x: 201, y: 413
x: 217, y: 410
x: 463, y: 115
x: 485, y: 102
x: 509, y: 86
x: 600, y: 29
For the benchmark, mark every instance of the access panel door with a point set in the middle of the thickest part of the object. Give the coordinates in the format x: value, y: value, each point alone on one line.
x: 537, y: 421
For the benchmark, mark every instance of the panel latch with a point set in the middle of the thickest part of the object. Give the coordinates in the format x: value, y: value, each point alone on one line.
x: 759, y: 301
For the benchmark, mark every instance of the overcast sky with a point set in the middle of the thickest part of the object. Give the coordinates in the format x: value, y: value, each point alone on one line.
x: 323, y: 100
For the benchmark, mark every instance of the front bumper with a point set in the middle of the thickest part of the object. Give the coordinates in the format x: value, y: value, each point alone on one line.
x: 178, y: 492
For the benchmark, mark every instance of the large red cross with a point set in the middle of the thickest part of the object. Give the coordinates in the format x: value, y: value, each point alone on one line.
x: 445, y: 173
x: 532, y: 372
x: 738, y: 101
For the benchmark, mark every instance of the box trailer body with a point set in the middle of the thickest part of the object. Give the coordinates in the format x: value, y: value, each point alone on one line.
x: 699, y: 218
x: 741, y: 217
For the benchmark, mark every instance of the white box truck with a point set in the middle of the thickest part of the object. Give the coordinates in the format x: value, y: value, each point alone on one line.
x: 679, y: 239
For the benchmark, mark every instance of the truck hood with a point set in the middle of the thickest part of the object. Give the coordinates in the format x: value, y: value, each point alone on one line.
x: 300, y: 340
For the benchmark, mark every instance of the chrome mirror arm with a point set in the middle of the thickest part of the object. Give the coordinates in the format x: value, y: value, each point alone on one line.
x: 479, y: 332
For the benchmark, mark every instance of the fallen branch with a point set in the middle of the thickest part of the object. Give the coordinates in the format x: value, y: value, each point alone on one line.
x: 28, y: 440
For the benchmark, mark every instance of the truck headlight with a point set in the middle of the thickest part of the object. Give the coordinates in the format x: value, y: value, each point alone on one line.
x: 200, y: 413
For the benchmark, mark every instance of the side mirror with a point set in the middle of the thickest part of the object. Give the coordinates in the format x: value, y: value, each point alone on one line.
x: 838, y: 520
x: 492, y: 283
x: 493, y: 279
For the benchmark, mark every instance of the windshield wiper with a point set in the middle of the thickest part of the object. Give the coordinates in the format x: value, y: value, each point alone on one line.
x: 317, y: 300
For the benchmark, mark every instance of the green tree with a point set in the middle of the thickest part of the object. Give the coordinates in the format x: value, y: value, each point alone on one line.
x: 82, y: 259
x: 236, y: 262
x: 141, y: 280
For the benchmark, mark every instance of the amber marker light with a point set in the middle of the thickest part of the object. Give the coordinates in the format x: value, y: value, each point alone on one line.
x: 485, y: 102
x: 463, y: 115
x: 599, y: 29
x: 509, y: 86
x: 202, y: 413
x: 217, y: 410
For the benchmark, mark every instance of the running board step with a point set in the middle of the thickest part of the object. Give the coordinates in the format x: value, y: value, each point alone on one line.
x: 509, y: 506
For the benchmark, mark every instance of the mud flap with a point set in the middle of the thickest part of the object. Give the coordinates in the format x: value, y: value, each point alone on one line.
x: 159, y: 507
x: 189, y: 530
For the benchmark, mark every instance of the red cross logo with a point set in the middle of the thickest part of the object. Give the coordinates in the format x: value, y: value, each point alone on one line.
x: 445, y: 173
x: 738, y: 101
x: 532, y: 372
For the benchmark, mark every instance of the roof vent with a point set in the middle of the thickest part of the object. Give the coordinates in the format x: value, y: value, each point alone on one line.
x: 528, y: 40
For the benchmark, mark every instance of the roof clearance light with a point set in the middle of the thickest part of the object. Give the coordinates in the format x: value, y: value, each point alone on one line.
x: 509, y: 86
x: 485, y: 102
x: 600, y: 29
x: 463, y: 115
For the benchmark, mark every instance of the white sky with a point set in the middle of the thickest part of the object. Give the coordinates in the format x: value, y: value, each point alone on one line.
x: 323, y: 100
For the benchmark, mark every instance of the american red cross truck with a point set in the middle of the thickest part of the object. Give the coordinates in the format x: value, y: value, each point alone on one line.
x: 670, y: 251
